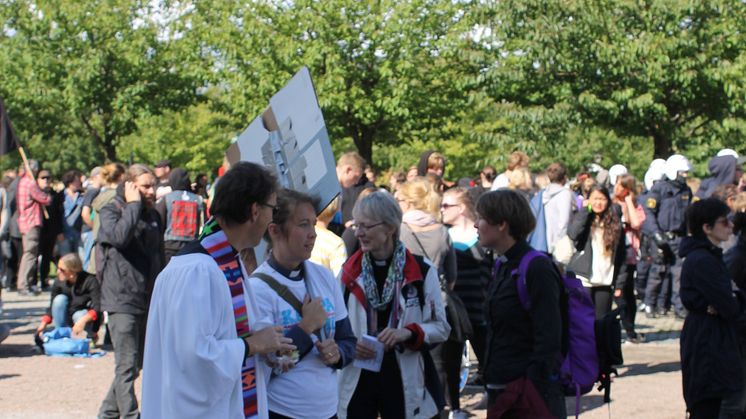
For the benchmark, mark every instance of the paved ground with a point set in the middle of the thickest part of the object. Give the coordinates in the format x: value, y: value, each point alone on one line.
x: 37, y: 386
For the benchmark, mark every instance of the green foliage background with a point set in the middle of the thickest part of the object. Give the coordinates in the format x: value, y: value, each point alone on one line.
x: 611, y: 81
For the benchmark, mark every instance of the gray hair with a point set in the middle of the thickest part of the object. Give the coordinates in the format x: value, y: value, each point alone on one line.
x: 381, y: 207
x: 96, y: 171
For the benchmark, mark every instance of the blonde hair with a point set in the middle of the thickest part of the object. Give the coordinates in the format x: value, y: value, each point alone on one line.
x: 739, y: 203
x: 517, y: 159
x: 520, y: 178
x: 72, y: 263
x: 112, y: 173
x: 353, y: 159
x: 422, y: 195
x: 328, y: 213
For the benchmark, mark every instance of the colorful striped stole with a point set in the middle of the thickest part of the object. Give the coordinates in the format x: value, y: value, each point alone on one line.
x: 214, y: 241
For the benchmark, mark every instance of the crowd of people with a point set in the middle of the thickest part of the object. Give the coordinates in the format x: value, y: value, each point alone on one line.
x: 364, y: 309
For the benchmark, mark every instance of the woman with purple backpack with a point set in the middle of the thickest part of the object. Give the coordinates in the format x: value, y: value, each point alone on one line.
x: 524, y: 347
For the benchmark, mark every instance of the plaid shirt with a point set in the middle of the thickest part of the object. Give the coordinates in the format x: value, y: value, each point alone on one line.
x: 29, y: 201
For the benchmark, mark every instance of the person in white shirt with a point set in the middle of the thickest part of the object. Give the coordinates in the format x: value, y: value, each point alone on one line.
x: 306, y: 300
x: 204, y: 330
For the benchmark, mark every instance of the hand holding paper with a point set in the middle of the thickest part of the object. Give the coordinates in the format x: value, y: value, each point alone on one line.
x: 369, y: 354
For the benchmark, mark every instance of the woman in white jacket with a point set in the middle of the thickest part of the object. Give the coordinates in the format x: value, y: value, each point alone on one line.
x: 393, y: 296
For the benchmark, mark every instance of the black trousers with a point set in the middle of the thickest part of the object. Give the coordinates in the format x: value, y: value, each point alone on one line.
x: 601, y: 296
x: 626, y: 303
x: 447, y: 358
x: 479, y: 343
x: 171, y: 248
x: 46, y: 251
x: 12, y: 263
x: 379, y: 392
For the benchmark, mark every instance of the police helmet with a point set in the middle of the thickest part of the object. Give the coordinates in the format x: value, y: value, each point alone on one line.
x: 675, y: 164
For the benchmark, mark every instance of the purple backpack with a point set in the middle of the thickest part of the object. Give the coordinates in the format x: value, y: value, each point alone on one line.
x: 580, y: 366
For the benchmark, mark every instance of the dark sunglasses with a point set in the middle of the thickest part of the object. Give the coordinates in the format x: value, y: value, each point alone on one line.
x: 44, y: 177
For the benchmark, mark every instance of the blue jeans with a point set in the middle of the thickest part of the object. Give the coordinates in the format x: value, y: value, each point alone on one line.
x: 86, y: 245
x: 59, y: 314
x: 69, y: 244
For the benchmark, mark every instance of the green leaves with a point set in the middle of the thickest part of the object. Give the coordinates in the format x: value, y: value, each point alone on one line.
x: 577, y: 81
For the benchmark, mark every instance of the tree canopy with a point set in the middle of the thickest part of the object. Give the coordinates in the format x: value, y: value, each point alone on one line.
x: 612, y: 81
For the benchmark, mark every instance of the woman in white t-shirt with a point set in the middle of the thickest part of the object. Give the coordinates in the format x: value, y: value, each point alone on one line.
x: 311, y: 311
x: 597, y: 233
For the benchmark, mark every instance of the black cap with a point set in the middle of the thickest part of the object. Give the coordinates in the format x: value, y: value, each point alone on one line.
x: 163, y: 163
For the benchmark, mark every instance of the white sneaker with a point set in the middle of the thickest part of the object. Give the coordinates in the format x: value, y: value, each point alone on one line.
x: 458, y: 414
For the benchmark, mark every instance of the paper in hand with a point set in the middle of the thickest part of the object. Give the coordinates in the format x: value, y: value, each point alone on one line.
x: 373, y: 364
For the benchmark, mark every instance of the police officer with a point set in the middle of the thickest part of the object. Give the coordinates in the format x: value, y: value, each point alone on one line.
x: 648, y: 250
x: 665, y: 210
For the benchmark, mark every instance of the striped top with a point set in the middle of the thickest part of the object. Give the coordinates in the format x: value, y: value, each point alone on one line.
x: 474, y: 270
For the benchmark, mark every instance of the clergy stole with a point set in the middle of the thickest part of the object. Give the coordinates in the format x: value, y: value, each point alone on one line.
x: 214, y: 241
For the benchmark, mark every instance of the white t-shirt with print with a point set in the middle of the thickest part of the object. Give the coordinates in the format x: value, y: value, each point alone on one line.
x: 309, y: 389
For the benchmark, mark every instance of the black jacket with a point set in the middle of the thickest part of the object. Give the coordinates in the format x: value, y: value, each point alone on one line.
x: 709, y: 347
x: 85, y: 294
x: 131, y: 244
x: 579, y: 232
x: 521, y: 343
x: 735, y: 260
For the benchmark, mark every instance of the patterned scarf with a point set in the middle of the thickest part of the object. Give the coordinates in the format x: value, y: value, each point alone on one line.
x: 214, y: 241
x: 395, y: 276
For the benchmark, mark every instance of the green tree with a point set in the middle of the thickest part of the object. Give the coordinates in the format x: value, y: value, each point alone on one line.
x: 84, y: 72
x: 386, y: 72
x: 194, y: 138
x: 667, y: 70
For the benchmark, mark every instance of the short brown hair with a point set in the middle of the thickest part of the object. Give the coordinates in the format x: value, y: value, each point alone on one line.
x: 556, y: 172
x: 505, y: 205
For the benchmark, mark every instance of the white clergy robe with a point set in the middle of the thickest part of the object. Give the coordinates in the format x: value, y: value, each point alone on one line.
x: 193, y: 356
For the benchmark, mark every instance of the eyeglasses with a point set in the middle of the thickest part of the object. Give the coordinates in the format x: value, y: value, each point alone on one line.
x: 275, y: 209
x: 62, y: 270
x: 446, y: 206
x: 363, y: 227
x: 44, y: 178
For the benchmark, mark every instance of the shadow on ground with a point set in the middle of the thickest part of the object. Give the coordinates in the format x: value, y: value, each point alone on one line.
x: 18, y: 350
x: 645, y: 369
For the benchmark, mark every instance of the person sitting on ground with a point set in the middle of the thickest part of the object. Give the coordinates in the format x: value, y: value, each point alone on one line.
x: 75, y: 301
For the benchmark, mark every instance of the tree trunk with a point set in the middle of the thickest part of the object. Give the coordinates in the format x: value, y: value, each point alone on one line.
x: 661, y: 145
x: 364, y: 143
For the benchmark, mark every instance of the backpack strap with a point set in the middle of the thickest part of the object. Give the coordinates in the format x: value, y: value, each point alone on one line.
x: 521, y: 282
x: 284, y: 293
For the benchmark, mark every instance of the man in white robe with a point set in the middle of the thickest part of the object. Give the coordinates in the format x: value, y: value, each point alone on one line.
x: 193, y: 355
